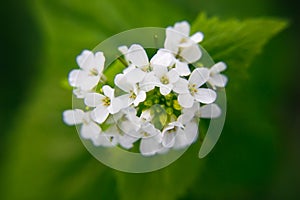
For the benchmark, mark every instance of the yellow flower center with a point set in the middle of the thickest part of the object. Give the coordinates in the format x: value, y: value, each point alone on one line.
x: 106, y: 101
x: 132, y: 95
x: 193, y: 89
x: 164, y: 80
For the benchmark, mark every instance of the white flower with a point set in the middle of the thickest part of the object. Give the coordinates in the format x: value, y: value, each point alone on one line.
x: 123, y: 127
x: 134, y: 95
x: 136, y: 56
x: 80, y: 94
x: 151, y: 137
x: 105, y: 104
x: 89, y: 129
x: 169, y: 133
x: 180, y: 44
x: 187, y: 135
x: 189, y: 90
x: 125, y: 140
x: 91, y: 68
x: 208, y: 111
x: 215, y: 78
x: 190, y: 119
x: 166, y: 58
x: 165, y: 79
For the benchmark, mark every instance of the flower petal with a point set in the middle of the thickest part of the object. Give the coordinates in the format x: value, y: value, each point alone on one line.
x: 210, y: 111
x: 182, y: 68
x: 108, y: 91
x: 172, y: 76
x: 191, y: 54
x: 149, y: 82
x: 127, y: 141
x: 187, y: 136
x: 73, y: 77
x: 122, y: 82
x: 86, y: 81
x: 137, y: 55
x: 172, y: 40
x: 125, y: 100
x: 135, y: 75
x: 218, y: 67
x: 205, y: 95
x: 93, y: 99
x: 197, y: 37
x: 160, y: 70
x: 150, y: 130
x: 90, y: 131
x: 123, y: 49
x: 115, y: 105
x: 168, y: 139
x: 98, y: 62
x: 186, y: 100
x: 181, y: 86
x: 100, y: 114
x: 104, y: 140
x: 165, y: 89
x: 81, y: 59
x: 149, y: 146
x: 182, y: 27
x: 72, y: 117
x: 163, y: 58
x: 141, y: 96
x: 199, y: 76
x: 218, y: 80
x: 79, y: 93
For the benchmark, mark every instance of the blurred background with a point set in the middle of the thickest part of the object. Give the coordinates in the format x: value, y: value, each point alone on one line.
x: 257, y: 156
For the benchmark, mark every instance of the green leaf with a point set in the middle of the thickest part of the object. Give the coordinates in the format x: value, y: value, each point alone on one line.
x: 236, y: 42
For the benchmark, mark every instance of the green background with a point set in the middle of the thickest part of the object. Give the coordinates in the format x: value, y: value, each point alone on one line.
x: 257, y: 156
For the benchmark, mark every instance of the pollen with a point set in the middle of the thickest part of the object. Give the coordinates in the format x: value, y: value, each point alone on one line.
x: 192, y: 89
x: 106, y: 101
x: 164, y: 80
x: 132, y: 95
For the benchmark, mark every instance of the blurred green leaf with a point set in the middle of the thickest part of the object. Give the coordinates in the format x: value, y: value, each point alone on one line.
x: 236, y: 42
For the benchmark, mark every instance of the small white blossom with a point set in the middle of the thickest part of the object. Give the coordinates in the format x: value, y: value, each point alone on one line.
x: 165, y: 79
x: 105, y: 104
x: 137, y: 56
x: 91, y: 68
x: 179, y: 43
x: 123, y: 126
x: 89, y: 129
x: 134, y: 95
x: 215, y: 78
x: 187, y: 135
x: 190, y: 91
x: 169, y: 133
x: 125, y: 140
x: 164, y: 57
x: 208, y: 111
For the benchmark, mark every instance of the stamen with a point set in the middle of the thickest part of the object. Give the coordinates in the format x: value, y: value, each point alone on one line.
x: 106, y: 101
x: 164, y: 80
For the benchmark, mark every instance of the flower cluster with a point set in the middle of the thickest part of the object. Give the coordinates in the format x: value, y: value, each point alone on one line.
x: 155, y: 103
